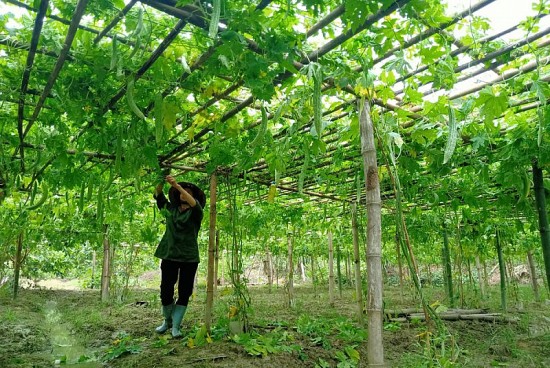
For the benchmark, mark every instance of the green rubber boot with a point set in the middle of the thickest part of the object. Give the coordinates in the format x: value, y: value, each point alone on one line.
x: 167, y: 313
x: 177, y: 316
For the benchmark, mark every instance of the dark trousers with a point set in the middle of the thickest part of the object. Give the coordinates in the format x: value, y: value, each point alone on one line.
x: 170, y: 272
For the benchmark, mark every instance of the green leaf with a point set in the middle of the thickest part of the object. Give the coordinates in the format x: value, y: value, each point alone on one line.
x: 541, y: 89
x: 491, y: 105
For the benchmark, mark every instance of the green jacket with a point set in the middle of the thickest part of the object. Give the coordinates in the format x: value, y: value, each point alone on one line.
x: 179, y: 242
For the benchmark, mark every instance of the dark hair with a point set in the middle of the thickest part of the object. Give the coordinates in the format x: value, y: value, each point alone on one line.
x: 197, y: 193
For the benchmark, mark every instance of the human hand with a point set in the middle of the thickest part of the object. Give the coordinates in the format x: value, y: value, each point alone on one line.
x: 170, y: 179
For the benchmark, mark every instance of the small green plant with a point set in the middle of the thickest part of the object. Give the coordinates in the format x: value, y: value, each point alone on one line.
x: 349, y: 358
x: 198, y: 337
x: 392, y: 326
x: 122, y: 345
x: 263, y: 345
x: 350, y: 333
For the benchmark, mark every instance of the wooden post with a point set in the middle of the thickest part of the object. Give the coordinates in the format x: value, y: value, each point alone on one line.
x: 17, y: 264
x: 290, y: 280
x: 357, y: 261
x: 105, y: 271
x: 533, y: 271
x: 211, y: 253
x: 375, y: 349
x: 330, y: 270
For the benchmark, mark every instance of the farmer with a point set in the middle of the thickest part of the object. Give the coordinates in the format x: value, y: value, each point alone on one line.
x: 178, y: 248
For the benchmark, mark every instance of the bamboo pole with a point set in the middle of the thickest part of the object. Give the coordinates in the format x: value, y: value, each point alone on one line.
x: 105, y: 271
x: 269, y: 270
x: 17, y: 264
x: 290, y: 280
x: 339, y: 268
x: 502, y: 269
x: 540, y: 201
x: 330, y: 270
x: 480, y: 277
x: 375, y: 348
x: 447, y: 268
x: 94, y: 263
x: 313, y: 279
x: 211, y: 253
x: 399, y: 262
x: 357, y: 261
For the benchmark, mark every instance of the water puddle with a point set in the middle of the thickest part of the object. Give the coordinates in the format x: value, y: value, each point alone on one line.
x: 66, y: 349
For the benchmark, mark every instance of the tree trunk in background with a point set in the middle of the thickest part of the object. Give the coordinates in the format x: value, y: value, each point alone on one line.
x: 303, y: 270
x: 339, y: 268
x: 17, y: 264
x: 485, y: 276
x: 512, y: 282
x: 447, y: 269
x: 330, y: 270
x: 211, y: 254
x: 480, y: 278
x: 313, y: 280
x: 540, y: 201
x: 105, y: 271
x: 533, y: 271
x: 357, y: 262
x: 375, y: 349
x: 502, y: 269
x: 290, y: 279
x: 277, y: 271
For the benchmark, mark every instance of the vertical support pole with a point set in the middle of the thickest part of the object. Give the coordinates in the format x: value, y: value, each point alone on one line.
x: 17, y: 264
x: 375, y: 348
x: 330, y: 270
x: 502, y: 269
x: 290, y: 280
x: 217, y: 262
x: 105, y: 271
x: 357, y: 262
x: 540, y: 201
x: 447, y: 268
x: 211, y: 253
x: 533, y: 271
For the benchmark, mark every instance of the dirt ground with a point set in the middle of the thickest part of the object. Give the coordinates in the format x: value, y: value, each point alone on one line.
x: 47, y: 327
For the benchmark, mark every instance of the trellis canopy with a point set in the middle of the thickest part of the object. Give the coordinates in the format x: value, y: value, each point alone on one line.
x: 268, y: 90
